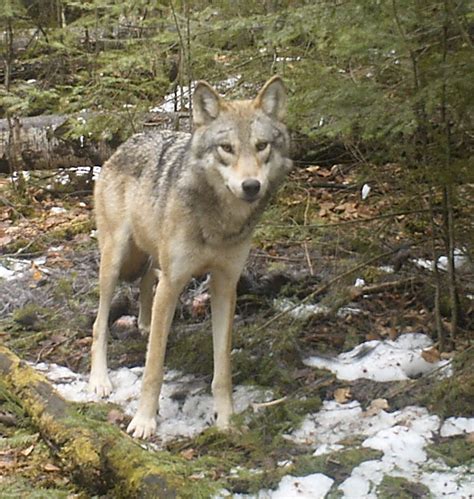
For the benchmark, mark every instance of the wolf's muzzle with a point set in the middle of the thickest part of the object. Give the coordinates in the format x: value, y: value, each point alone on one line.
x: 251, y: 188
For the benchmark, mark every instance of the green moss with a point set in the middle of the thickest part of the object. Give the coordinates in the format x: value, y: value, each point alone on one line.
x: 337, y: 465
x: 12, y: 488
x: 455, y: 451
x: 20, y: 244
x: 64, y: 287
x: 162, y: 472
x: 191, y: 352
x: 29, y: 316
x: 454, y: 396
x: 69, y: 231
x: 96, y: 410
x: 393, y: 487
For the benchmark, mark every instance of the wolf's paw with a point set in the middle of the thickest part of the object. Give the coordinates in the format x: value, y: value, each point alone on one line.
x: 144, y: 328
x: 142, y: 427
x: 223, y: 422
x: 100, y: 384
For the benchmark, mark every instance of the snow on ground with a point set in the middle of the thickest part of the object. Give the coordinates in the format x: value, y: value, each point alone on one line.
x: 314, y: 486
x: 183, y: 94
x: 306, y: 310
x: 461, y: 261
x: 383, y: 360
x: 14, y: 268
x: 402, y: 435
x: 186, y: 407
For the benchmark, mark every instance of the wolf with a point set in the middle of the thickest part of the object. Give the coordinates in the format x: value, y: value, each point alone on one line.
x: 180, y: 205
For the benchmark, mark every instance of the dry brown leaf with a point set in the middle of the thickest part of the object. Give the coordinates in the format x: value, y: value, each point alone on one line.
x: 342, y: 395
x: 26, y: 452
x: 431, y: 355
x: 37, y: 274
x: 375, y: 407
x: 115, y: 416
x: 188, y: 454
x: 51, y: 467
x: 199, y: 305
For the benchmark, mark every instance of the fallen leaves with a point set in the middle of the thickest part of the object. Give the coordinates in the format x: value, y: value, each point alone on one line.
x: 431, y: 355
x: 375, y: 407
x: 342, y: 395
x: 50, y: 467
x: 26, y: 452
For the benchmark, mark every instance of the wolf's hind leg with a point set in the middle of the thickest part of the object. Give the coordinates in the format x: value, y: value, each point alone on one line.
x: 166, y: 296
x: 146, y: 299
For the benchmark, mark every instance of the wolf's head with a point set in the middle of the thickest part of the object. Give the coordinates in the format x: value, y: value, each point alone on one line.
x: 243, y: 144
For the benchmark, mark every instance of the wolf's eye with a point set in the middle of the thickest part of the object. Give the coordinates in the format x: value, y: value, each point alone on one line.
x: 261, y: 146
x: 227, y: 148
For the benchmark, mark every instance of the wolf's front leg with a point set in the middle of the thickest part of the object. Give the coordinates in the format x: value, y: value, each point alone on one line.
x: 143, y: 424
x: 110, y: 262
x: 223, y: 295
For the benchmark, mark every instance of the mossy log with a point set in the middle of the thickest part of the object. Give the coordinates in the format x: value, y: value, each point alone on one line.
x: 99, y: 456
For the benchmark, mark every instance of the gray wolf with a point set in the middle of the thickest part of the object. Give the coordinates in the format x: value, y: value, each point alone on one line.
x: 186, y: 204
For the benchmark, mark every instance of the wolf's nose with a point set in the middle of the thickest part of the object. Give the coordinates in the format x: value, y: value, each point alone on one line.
x: 251, y: 187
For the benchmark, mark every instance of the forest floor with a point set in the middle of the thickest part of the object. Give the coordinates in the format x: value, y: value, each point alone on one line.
x: 329, y: 271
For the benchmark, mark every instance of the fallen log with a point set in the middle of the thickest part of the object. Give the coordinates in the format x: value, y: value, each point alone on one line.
x: 98, y: 455
x: 45, y: 142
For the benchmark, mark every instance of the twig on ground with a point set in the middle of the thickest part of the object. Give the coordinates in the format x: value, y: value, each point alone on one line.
x: 325, y: 287
x: 257, y: 406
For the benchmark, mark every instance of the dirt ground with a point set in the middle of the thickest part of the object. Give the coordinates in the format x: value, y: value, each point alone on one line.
x: 310, y: 248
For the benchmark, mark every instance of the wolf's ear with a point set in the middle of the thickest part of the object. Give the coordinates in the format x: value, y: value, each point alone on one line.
x: 206, y: 104
x: 272, y: 98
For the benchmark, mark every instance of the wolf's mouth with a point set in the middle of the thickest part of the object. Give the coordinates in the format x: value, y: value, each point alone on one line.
x: 250, y: 199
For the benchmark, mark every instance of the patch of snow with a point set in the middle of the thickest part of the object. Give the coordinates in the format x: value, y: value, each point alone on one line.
x: 386, y: 360
x: 303, y: 311
x: 287, y: 59
x: 457, y: 426
x: 326, y: 449
x: 315, y: 486
x: 57, y: 209
x: 79, y: 171
x: 348, y: 310
x: 423, y: 263
x: 14, y: 268
x: 186, y: 407
x: 461, y: 261
x: 388, y: 269
x: 365, y: 191
x: 183, y: 95
x: 402, y: 437
x: 359, y: 283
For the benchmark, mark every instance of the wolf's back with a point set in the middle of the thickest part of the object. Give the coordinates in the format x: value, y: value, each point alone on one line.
x: 156, y: 156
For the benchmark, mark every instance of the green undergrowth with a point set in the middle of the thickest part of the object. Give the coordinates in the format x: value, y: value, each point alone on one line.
x: 264, y: 356
x: 337, y: 465
x: 454, y: 396
x: 396, y: 487
x: 29, y: 469
x: 455, y: 451
x: 13, y: 488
